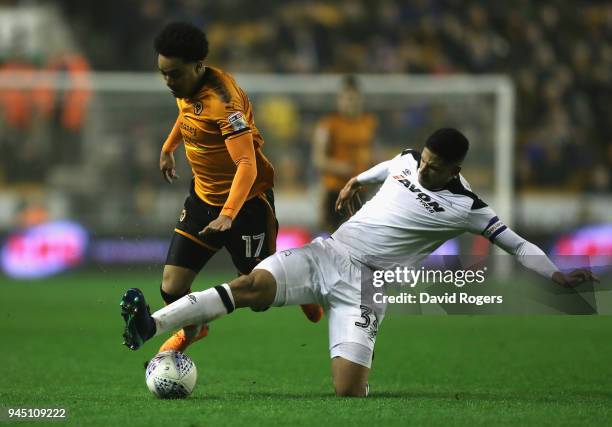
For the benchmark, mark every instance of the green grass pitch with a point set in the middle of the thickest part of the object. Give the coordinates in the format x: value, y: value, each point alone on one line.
x: 61, y: 341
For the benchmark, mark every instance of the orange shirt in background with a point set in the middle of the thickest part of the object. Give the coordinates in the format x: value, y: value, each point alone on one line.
x: 350, y: 140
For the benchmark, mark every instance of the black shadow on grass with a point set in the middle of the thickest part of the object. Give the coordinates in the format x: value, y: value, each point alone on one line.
x: 527, y: 396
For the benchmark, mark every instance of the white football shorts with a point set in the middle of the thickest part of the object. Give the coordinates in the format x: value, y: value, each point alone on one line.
x: 323, y: 272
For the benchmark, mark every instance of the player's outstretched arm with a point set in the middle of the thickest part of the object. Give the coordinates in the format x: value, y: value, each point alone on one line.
x: 374, y: 175
x: 484, y: 221
x: 534, y: 258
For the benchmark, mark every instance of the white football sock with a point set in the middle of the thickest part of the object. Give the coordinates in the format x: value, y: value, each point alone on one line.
x: 195, y: 309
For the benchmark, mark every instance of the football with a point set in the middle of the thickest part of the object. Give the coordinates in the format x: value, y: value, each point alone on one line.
x: 171, y: 375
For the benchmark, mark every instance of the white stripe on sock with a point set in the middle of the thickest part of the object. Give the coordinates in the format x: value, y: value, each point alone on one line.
x: 229, y: 293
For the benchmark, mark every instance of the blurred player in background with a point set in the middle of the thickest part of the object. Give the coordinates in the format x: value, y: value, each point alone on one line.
x: 423, y: 202
x: 342, y: 147
x: 231, y: 203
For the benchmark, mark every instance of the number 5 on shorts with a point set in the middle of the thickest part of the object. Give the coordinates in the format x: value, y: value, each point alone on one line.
x: 249, y: 244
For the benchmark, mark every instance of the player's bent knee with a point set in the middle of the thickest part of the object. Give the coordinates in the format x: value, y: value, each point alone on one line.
x: 350, y: 386
x: 177, y: 280
x: 255, y: 290
x: 350, y: 378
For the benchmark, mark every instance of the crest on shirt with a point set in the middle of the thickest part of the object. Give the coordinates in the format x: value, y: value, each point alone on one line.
x: 237, y: 121
x: 198, y: 107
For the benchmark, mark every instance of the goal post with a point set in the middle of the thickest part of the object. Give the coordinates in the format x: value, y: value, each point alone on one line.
x: 132, y: 112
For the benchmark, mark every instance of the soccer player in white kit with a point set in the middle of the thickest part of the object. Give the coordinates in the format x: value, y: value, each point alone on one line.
x: 423, y: 201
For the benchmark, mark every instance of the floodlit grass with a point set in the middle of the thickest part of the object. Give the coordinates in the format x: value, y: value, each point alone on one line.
x: 62, y: 348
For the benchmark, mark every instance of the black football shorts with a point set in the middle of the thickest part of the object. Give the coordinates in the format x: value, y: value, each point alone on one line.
x: 251, y: 239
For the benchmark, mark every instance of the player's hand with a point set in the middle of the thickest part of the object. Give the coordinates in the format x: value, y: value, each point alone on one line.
x: 347, y: 196
x: 221, y: 223
x: 574, y: 278
x: 167, y: 167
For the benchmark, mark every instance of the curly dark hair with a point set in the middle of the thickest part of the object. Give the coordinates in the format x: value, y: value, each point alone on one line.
x: 182, y: 40
x: 448, y: 143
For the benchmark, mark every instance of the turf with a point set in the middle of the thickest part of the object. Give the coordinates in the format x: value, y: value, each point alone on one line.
x: 61, y: 341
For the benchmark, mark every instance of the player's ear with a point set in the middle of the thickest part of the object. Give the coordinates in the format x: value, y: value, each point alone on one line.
x: 199, y: 66
x: 456, y: 170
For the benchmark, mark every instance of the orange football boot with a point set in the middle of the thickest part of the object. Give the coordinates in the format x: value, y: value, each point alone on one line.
x: 179, y: 342
x: 313, y: 312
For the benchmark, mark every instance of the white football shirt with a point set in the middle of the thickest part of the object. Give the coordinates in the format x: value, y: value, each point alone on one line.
x: 405, y: 219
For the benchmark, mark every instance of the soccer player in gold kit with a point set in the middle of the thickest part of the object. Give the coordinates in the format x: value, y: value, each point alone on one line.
x: 342, y: 147
x: 231, y: 203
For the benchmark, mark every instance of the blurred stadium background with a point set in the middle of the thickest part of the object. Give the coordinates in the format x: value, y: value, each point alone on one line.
x: 530, y: 85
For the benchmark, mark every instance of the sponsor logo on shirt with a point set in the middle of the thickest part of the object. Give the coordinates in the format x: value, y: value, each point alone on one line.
x: 188, y: 129
x: 424, y: 199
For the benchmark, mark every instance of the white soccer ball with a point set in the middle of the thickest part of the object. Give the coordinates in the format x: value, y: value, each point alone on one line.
x: 171, y: 375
